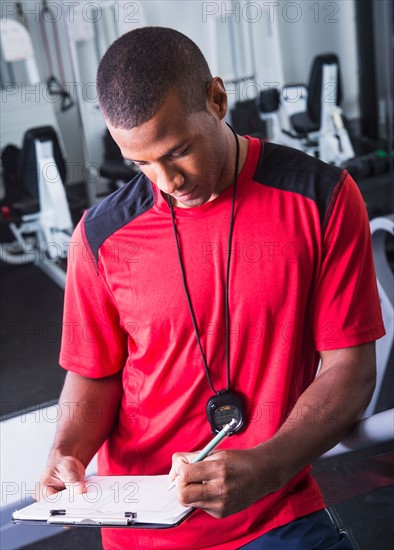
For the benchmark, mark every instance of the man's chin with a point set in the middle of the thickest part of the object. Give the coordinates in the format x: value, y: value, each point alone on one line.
x: 192, y: 202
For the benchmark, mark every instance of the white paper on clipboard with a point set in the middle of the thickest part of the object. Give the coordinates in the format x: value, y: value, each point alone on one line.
x: 120, y: 501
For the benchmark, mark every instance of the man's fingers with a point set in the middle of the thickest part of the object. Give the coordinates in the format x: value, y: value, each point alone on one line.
x: 47, y: 488
x: 67, y: 473
x: 179, y: 459
x: 206, y: 470
x: 72, y: 473
x: 77, y: 487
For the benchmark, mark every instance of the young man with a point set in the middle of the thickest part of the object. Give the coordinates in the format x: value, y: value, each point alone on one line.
x: 214, y: 282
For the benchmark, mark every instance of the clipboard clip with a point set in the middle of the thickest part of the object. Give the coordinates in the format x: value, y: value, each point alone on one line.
x: 60, y: 517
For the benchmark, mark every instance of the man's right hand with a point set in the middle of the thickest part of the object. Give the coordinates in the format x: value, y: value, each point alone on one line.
x: 59, y: 474
x: 78, y: 437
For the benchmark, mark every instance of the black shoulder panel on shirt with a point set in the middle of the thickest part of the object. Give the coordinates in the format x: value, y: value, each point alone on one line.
x: 293, y: 170
x: 117, y: 210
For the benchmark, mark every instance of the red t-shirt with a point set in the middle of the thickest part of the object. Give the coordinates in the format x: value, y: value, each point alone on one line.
x: 302, y: 280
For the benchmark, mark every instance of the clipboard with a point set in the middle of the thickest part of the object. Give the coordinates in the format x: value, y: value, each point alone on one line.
x: 110, y: 501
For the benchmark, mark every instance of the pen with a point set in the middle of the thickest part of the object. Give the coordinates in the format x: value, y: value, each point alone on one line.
x: 211, y: 445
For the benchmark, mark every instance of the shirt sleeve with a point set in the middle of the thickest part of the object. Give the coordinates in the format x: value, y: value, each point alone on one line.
x: 93, y: 343
x: 346, y: 308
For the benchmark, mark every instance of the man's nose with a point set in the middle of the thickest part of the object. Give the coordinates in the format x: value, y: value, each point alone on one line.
x: 169, y: 179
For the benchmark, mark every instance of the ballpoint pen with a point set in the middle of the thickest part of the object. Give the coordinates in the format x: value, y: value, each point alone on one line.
x: 211, y: 445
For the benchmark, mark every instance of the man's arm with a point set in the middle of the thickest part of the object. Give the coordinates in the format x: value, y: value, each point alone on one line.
x: 324, y: 413
x: 88, y: 407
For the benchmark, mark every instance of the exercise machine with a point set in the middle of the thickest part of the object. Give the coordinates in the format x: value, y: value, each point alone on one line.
x: 309, y: 118
x: 40, y: 220
x: 34, y: 210
x: 382, y: 229
x: 114, y: 167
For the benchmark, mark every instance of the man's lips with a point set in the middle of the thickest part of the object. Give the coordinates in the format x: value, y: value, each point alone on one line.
x: 186, y: 195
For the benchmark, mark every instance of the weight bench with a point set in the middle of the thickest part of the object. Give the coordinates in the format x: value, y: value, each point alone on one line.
x: 38, y: 218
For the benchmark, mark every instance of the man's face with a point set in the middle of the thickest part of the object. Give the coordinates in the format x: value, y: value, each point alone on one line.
x: 183, y: 155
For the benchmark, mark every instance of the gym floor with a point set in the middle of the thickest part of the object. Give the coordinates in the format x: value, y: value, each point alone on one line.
x: 31, y: 320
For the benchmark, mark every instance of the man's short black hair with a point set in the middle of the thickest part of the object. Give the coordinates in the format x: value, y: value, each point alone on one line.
x: 141, y: 67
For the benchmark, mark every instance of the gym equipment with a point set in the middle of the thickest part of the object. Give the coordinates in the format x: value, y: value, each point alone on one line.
x: 383, y: 398
x: 365, y: 166
x: 324, y: 78
x: 245, y: 119
x: 89, y: 28
x: 40, y: 220
x: 35, y: 210
x: 115, y: 167
x: 309, y: 118
x: 55, y: 86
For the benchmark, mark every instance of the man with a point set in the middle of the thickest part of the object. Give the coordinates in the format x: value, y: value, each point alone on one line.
x: 214, y: 282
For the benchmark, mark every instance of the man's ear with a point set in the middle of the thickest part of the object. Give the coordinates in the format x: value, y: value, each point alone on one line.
x: 217, y: 98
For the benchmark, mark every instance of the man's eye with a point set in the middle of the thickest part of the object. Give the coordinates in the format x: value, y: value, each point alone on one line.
x: 181, y: 153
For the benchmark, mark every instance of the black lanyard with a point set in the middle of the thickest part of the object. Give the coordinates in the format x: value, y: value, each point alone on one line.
x: 221, y: 399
